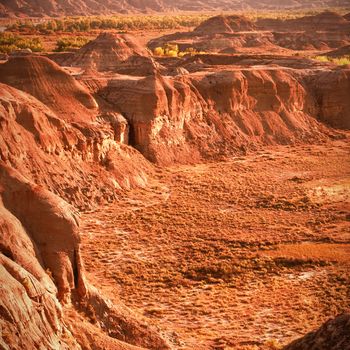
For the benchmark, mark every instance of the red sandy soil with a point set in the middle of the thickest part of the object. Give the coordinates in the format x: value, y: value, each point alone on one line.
x: 247, y: 253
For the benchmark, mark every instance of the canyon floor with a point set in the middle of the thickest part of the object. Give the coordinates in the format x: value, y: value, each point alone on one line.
x: 241, y: 253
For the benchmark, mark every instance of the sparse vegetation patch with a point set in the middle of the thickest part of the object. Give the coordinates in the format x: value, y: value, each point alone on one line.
x: 70, y: 43
x: 340, y: 61
x: 172, y: 50
x: 10, y: 42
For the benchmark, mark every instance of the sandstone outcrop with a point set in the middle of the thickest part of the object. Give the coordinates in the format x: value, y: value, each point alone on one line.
x: 205, y: 113
x: 31, y: 315
x: 66, y: 157
x: 49, y: 83
x: 236, y: 34
x: 331, y: 90
x: 225, y: 24
x: 334, y: 334
x: 42, y: 271
x: 118, y: 53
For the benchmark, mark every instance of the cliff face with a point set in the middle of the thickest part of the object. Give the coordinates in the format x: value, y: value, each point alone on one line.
x: 45, y: 150
x: 38, y: 237
x: 332, y: 93
x: 207, y: 114
x: 64, y: 157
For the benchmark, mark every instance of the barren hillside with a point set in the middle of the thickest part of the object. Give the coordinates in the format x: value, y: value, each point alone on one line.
x: 93, y: 7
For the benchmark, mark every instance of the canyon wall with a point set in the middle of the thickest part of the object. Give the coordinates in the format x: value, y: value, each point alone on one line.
x: 206, y: 114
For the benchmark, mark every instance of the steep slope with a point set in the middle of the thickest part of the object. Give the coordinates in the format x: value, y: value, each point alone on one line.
x: 210, y: 113
x: 334, y: 334
x: 49, y: 83
x: 42, y: 272
x: 63, y: 158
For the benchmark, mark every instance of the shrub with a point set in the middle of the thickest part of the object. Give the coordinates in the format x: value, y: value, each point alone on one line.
x: 341, y: 61
x: 70, y: 43
x: 85, y: 24
x: 158, y: 51
x: 172, y: 50
x: 10, y: 42
x: 171, y: 53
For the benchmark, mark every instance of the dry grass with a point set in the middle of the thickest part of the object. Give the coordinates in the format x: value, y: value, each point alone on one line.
x: 339, y: 61
x: 199, y: 256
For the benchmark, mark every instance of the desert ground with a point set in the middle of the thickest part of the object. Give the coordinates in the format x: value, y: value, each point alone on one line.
x: 248, y: 251
x: 174, y: 180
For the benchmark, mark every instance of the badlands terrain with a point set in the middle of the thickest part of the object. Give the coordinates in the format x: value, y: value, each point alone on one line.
x: 188, y: 191
x: 41, y: 8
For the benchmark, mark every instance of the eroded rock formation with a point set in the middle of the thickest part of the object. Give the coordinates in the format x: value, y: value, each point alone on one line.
x: 334, y: 334
x: 76, y: 140
x: 42, y: 272
x: 225, y: 24
x: 65, y: 157
x: 118, y: 53
x: 38, y: 234
x: 234, y: 34
x: 49, y: 83
x: 41, y: 8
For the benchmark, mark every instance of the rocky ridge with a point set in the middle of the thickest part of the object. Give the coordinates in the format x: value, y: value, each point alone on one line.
x: 236, y: 34
x: 92, y: 7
